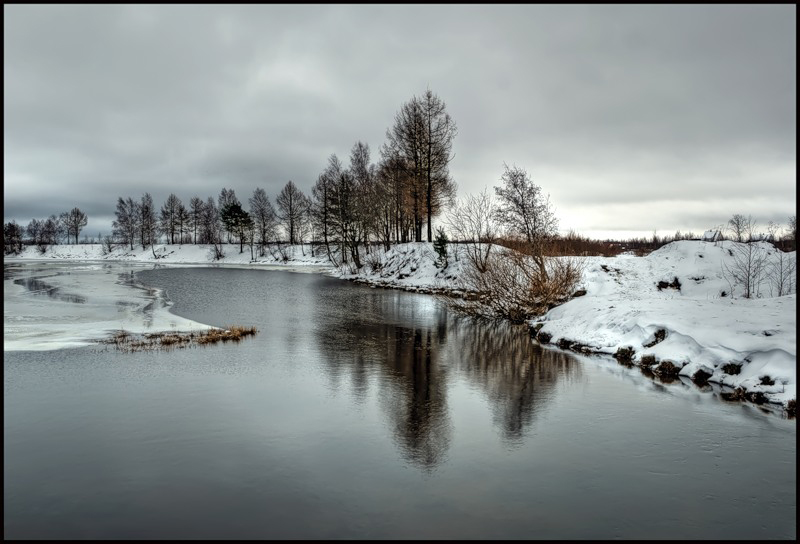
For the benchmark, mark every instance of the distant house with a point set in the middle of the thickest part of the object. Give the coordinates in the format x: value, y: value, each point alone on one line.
x: 712, y: 236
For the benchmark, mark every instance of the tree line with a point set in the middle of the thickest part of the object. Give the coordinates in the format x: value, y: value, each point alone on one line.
x: 44, y: 232
x: 350, y: 206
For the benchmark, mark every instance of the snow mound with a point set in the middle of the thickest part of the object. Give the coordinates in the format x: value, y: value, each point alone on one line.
x: 676, y: 304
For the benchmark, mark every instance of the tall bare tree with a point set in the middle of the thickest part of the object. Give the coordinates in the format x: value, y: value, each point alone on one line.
x: 74, y: 221
x: 322, y: 194
x: 264, y: 218
x: 34, y: 231
x: 196, y: 215
x: 169, y: 216
x: 184, y: 222
x: 290, y: 207
x: 440, y: 129
x: 209, y: 231
x: 405, y: 143
x: 148, y: 225
x: 126, y: 224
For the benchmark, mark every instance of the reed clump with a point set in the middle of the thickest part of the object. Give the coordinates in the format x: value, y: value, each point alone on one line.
x: 233, y: 333
x: 125, y: 341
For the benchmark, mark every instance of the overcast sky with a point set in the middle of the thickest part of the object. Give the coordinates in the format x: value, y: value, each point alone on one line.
x: 632, y: 118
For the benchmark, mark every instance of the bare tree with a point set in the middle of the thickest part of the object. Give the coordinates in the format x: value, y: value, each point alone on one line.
x: 746, y: 269
x: 520, y: 282
x: 793, y: 231
x: 472, y: 221
x: 290, y: 207
x: 209, y: 231
x: 438, y: 134
x: 148, y: 226
x: 742, y: 228
x: 34, y: 232
x: 772, y: 231
x: 50, y: 227
x: 126, y: 223
x: 183, y: 220
x: 781, y: 273
x: 169, y: 216
x: 195, y: 215
x: 322, y: 194
x: 74, y: 221
x: 304, y: 226
x: 264, y: 218
x: 406, y: 145
x: 526, y: 212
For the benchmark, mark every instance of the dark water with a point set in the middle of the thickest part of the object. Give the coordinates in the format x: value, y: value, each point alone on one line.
x: 363, y: 413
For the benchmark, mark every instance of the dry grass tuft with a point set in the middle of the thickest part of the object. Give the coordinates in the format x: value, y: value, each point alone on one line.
x: 127, y: 342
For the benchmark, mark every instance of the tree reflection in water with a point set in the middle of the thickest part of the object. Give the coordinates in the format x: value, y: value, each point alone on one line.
x: 518, y: 376
x: 408, y: 352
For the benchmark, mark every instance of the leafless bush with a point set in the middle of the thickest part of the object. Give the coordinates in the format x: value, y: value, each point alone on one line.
x: 374, y: 261
x: 512, y: 286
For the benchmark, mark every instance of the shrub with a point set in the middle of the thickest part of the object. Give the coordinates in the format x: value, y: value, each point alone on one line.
x: 624, y: 354
x: 701, y: 377
x: 791, y: 407
x: 374, y: 262
x: 732, y: 368
x: 514, y: 286
x: 563, y: 343
x: 544, y: 337
x: 659, y: 337
x: 667, y: 369
x: 736, y: 394
x: 674, y: 285
x: 440, y: 247
x: 648, y: 360
x: 766, y: 380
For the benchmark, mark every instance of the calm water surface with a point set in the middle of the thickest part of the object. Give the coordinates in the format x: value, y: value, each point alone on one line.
x: 360, y: 413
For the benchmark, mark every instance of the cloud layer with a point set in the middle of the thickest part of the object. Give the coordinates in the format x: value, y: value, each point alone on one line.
x: 633, y: 118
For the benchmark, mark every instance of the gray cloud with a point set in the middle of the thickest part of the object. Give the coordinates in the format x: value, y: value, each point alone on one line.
x: 631, y: 117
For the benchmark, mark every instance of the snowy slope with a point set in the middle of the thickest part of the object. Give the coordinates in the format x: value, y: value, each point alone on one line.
x: 412, y: 266
x: 623, y: 307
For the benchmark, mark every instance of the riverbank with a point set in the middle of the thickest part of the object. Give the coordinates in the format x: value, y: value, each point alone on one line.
x: 673, y: 306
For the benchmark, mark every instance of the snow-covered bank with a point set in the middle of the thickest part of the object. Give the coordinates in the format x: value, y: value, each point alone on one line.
x: 411, y: 267
x: 693, y: 323
x: 296, y: 256
x: 701, y: 329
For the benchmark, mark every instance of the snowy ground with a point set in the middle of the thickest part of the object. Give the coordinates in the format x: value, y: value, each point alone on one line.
x: 623, y: 306
x: 297, y: 256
